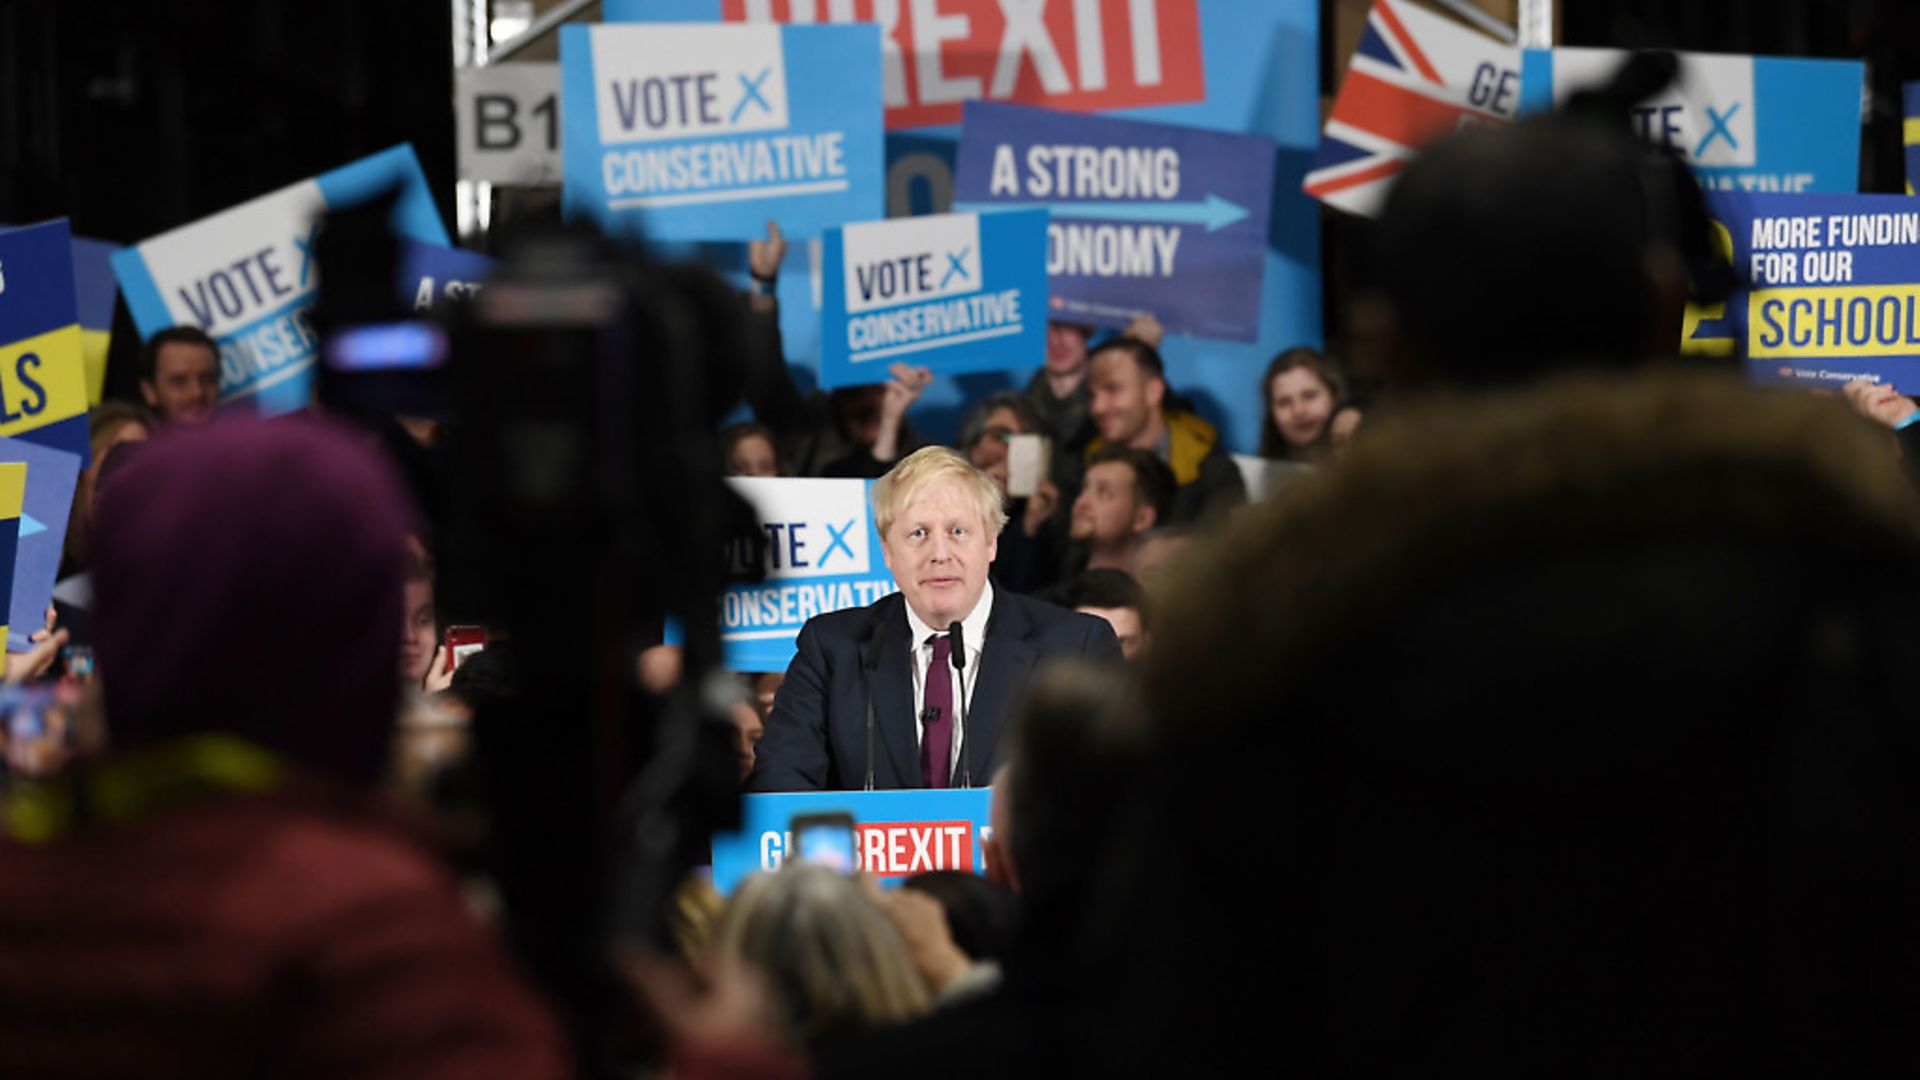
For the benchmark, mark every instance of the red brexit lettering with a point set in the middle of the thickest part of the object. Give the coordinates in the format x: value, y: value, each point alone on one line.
x: 904, y: 848
x: 1065, y: 54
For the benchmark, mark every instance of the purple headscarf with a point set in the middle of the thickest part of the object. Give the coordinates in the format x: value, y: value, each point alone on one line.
x: 248, y: 581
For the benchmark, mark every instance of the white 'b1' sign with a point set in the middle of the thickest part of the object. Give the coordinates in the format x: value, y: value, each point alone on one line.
x: 509, y: 124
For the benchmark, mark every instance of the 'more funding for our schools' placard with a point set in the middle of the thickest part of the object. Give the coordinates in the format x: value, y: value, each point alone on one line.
x: 703, y: 132
x: 1830, y: 289
x: 951, y: 292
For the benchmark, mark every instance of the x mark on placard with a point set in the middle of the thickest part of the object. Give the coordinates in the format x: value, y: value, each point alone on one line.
x: 752, y: 96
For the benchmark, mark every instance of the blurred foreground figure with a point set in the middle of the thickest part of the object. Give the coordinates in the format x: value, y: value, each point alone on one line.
x: 1061, y: 804
x: 1585, y: 722
x: 220, y: 896
x: 1559, y: 242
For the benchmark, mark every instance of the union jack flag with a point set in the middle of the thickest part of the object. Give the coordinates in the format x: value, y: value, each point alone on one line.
x: 1415, y: 77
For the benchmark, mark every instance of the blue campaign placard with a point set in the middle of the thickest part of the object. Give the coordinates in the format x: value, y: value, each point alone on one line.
x: 245, y: 275
x: 1831, y: 289
x: 952, y: 292
x: 1145, y: 217
x: 43, y: 388
x: 897, y: 834
x: 704, y: 132
x: 1261, y: 62
x: 823, y: 554
x: 434, y: 274
x: 95, y: 290
x: 51, y: 477
x: 1744, y: 123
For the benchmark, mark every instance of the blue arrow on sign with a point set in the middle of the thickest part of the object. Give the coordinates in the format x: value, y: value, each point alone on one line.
x: 29, y: 525
x: 1214, y: 212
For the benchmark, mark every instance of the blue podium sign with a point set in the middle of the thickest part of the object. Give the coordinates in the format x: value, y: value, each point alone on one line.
x: 897, y: 833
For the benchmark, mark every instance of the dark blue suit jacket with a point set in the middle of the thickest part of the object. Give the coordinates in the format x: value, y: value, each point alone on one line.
x: 816, y: 736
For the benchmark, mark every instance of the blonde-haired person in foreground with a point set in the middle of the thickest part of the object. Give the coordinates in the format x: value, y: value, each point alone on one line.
x: 836, y: 964
x: 939, y: 520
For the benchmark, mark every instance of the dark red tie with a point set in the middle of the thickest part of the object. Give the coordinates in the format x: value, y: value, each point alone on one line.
x: 936, y: 742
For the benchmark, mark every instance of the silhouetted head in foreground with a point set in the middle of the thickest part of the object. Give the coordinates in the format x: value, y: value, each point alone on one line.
x: 1566, y: 730
x: 249, y: 582
x: 1560, y: 241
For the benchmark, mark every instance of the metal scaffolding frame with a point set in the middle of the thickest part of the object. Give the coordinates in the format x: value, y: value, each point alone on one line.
x: 473, y: 48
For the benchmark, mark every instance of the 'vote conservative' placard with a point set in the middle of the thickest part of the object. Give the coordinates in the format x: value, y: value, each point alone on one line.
x: 1145, y: 217
x: 1744, y: 123
x: 822, y: 554
x: 703, y: 132
x: 43, y: 388
x: 1832, y: 288
x: 897, y: 834
x: 953, y: 292
x: 246, y: 275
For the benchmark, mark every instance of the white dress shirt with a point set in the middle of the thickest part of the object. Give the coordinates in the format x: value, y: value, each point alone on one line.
x: 974, y: 629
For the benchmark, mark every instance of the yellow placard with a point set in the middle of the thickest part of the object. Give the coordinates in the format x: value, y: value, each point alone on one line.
x: 1690, y: 343
x: 93, y: 354
x: 1834, y: 322
x: 42, y: 381
x: 13, y: 489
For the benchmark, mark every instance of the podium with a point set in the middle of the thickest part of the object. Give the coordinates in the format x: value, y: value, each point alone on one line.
x: 899, y: 833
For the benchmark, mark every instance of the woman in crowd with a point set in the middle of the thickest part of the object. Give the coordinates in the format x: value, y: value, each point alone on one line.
x: 835, y: 962
x: 421, y: 662
x: 1030, y: 547
x: 1303, y: 389
x: 112, y: 423
x: 750, y: 450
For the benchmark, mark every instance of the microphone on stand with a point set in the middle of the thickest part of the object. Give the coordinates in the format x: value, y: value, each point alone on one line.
x: 959, y: 657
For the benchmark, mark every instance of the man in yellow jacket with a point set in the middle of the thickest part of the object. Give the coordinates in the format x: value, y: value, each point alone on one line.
x: 1128, y: 387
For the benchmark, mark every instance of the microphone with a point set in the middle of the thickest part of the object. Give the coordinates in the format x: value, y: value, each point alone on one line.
x: 869, y: 662
x: 928, y: 716
x: 959, y: 656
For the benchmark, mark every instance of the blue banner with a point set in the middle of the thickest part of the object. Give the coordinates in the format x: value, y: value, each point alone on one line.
x: 245, y: 275
x: 1261, y: 64
x: 953, y: 292
x: 823, y: 554
x: 1146, y: 217
x: 1832, y: 287
x: 43, y: 386
x: 51, y: 477
x: 703, y: 132
x: 433, y: 274
x: 897, y: 833
x: 95, y: 291
x: 1744, y: 123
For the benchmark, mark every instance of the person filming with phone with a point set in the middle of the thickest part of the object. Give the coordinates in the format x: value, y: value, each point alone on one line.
x: 912, y: 691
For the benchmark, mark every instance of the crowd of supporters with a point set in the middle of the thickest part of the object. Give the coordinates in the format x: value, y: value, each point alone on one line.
x: 1544, y: 712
